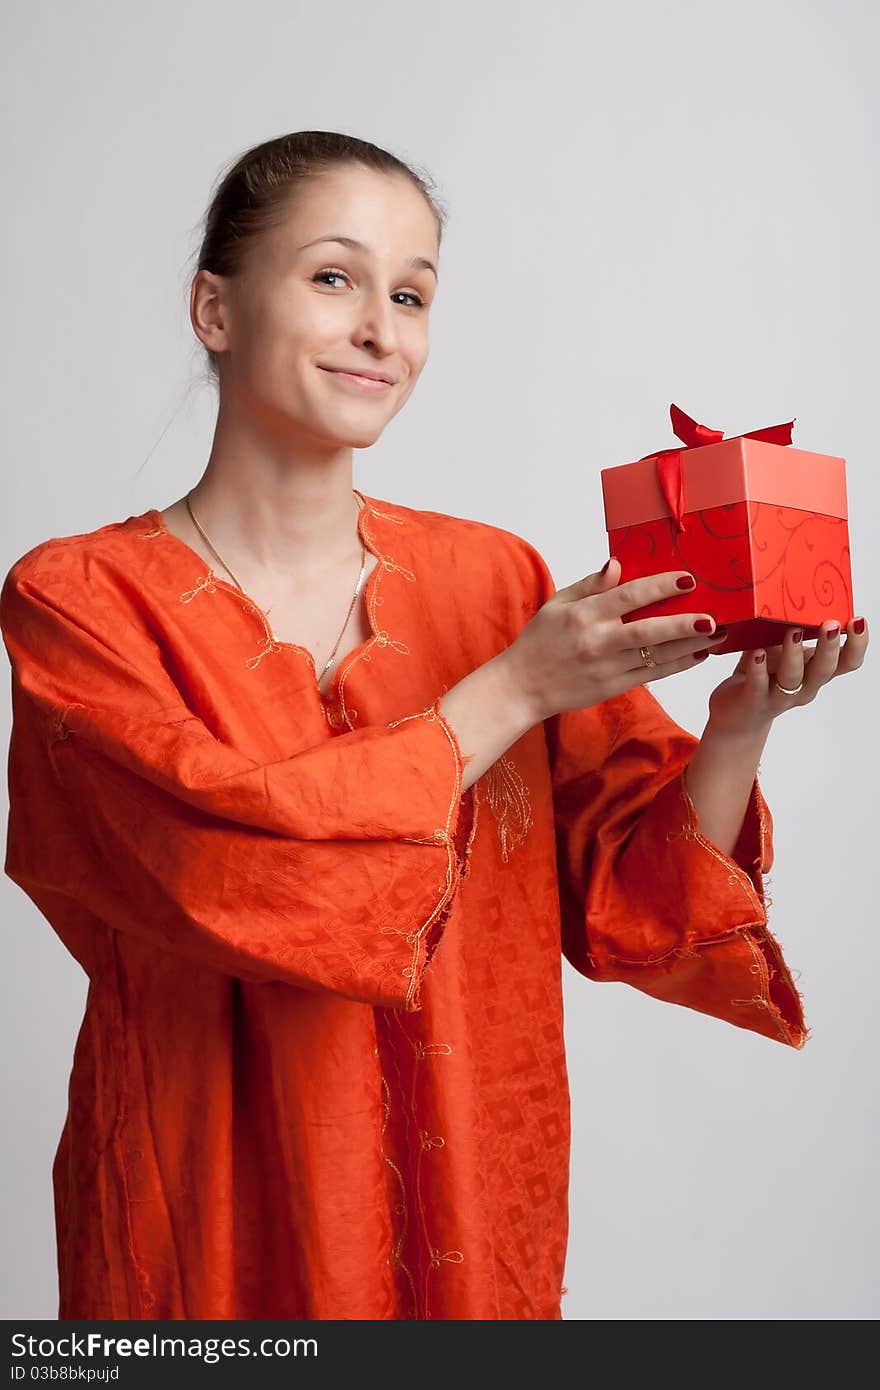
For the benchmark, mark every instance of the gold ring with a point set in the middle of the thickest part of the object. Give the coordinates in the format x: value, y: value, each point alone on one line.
x: 647, y: 656
x: 796, y: 690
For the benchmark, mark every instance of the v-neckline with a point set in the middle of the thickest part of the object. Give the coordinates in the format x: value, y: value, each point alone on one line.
x: 328, y: 697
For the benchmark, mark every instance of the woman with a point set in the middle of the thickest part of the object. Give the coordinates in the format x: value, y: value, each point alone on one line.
x: 321, y: 879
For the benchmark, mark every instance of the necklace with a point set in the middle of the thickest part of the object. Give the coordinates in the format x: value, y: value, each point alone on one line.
x: 215, y: 552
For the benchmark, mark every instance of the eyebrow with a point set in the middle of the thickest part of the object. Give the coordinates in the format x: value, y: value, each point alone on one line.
x: 418, y: 262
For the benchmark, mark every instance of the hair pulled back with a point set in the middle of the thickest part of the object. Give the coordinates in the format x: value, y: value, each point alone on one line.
x: 255, y: 193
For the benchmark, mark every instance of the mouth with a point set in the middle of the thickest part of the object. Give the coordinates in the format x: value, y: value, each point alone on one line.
x: 360, y: 379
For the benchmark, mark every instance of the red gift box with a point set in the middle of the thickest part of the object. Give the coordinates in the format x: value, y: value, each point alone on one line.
x: 762, y: 527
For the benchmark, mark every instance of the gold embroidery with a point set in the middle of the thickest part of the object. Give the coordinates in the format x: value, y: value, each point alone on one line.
x: 736, y: 876
x: 387, y: 564
x: 428, y: 1142
x: 513, y: 787
x: 58, y: 727
x: 381, y: 637
x: 396, y: 1258
x: 398, y: 520
x: 447, y: 888
x: 383, y: 640
x: 409, y: 936
x: 207, y: 582
x: 453, y: 1257
x: 508, y: 798
x: 431, y: 1050
x: 270, y: 645
x: 762, y: 999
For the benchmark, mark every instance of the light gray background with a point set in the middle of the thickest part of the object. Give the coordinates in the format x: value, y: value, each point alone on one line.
x: 648, y: 203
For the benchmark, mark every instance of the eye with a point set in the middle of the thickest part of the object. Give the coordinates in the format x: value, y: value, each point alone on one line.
x: 333, y: 274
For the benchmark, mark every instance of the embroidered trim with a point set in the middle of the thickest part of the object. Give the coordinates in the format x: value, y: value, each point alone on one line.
x: 396, y: 1258
x: 57, y: 720
x: 763, y: 835
x: 509, y: 801
x: 762, y: 1000
x: 205, y: 582
x: 381, y: 637
x: 440, y: 836
x: 210, y: 581
x: 736, y: 878
x: 759, y: 967
x: 427, y: 1142
x: 736, y: 875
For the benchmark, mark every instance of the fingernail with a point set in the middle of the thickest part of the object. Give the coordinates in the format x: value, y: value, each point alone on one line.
x: 686, y: 582
x: 700, y: 656
x: 720, y: 633
x: 832, y: 633
x: 703, y: 625
x: 606, y: 564
x: 796, y: 636
x: 859, y: 626
x: 762, y: 656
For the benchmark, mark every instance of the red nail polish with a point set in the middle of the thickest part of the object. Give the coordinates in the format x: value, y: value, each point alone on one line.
x: 604, y: 568
x: 832, y: 632
x: 859, y: 626
x: 796, y: 636
x: 762, y: 656
x: 700, y: 656
x: 686, y: 582
x: 703, y: 625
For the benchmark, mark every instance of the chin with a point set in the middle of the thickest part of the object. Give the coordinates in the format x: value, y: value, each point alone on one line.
x: 363, y: 441
x: 352, y: 437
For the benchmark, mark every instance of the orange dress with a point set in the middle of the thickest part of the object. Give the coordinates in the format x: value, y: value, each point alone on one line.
x: 321, y: 1070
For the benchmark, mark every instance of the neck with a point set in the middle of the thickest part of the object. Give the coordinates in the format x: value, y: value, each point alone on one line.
x: 289, y: 519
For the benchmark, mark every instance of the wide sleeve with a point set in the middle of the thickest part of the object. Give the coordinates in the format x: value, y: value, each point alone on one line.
x: 646, y: 899
x: 335, y: 868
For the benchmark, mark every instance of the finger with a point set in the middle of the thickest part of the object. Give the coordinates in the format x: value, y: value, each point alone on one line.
x: 640, y: 671
x: 823, y: 659
x: 746, y: 660
x: 757, y: 685
x: 652, y: 588
x: 674, y: 635
x: 591, y: 584
x: 853, y: 651
x: 788, y: 666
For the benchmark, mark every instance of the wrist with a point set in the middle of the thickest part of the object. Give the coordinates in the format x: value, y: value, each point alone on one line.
x: 744, y: 740
x: 521, y: 704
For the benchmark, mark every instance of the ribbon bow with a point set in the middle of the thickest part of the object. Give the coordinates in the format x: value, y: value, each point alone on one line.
x: 696, y: 436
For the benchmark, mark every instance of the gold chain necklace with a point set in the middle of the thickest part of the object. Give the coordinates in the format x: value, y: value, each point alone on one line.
x: 216, y: 553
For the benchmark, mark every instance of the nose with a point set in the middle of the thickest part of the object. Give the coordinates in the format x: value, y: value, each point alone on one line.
x: 376, y: 323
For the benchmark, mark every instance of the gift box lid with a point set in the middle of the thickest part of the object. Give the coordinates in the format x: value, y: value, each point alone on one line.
x: 733, y: 470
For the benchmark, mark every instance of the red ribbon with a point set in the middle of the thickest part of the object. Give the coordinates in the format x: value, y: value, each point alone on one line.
x: 696, y: 436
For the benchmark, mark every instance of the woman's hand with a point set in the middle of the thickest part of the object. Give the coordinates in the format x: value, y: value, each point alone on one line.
x: 577, y: 651
x: 749, y: 699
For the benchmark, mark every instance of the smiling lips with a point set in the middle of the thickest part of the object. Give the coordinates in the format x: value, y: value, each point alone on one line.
x: 360, y: 380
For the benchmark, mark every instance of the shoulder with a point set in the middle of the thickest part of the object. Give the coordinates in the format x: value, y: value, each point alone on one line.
x: 491, y: 554
x: 59, y: 554
x: 65, y: 569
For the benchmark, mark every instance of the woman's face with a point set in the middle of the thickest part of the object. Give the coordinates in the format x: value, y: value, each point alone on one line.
x: 299, y: 310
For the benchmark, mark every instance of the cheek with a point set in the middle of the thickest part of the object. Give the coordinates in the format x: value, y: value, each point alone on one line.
x: 417, y: 362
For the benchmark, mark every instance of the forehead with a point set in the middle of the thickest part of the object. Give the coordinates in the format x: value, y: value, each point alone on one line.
x: 385, y: 213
